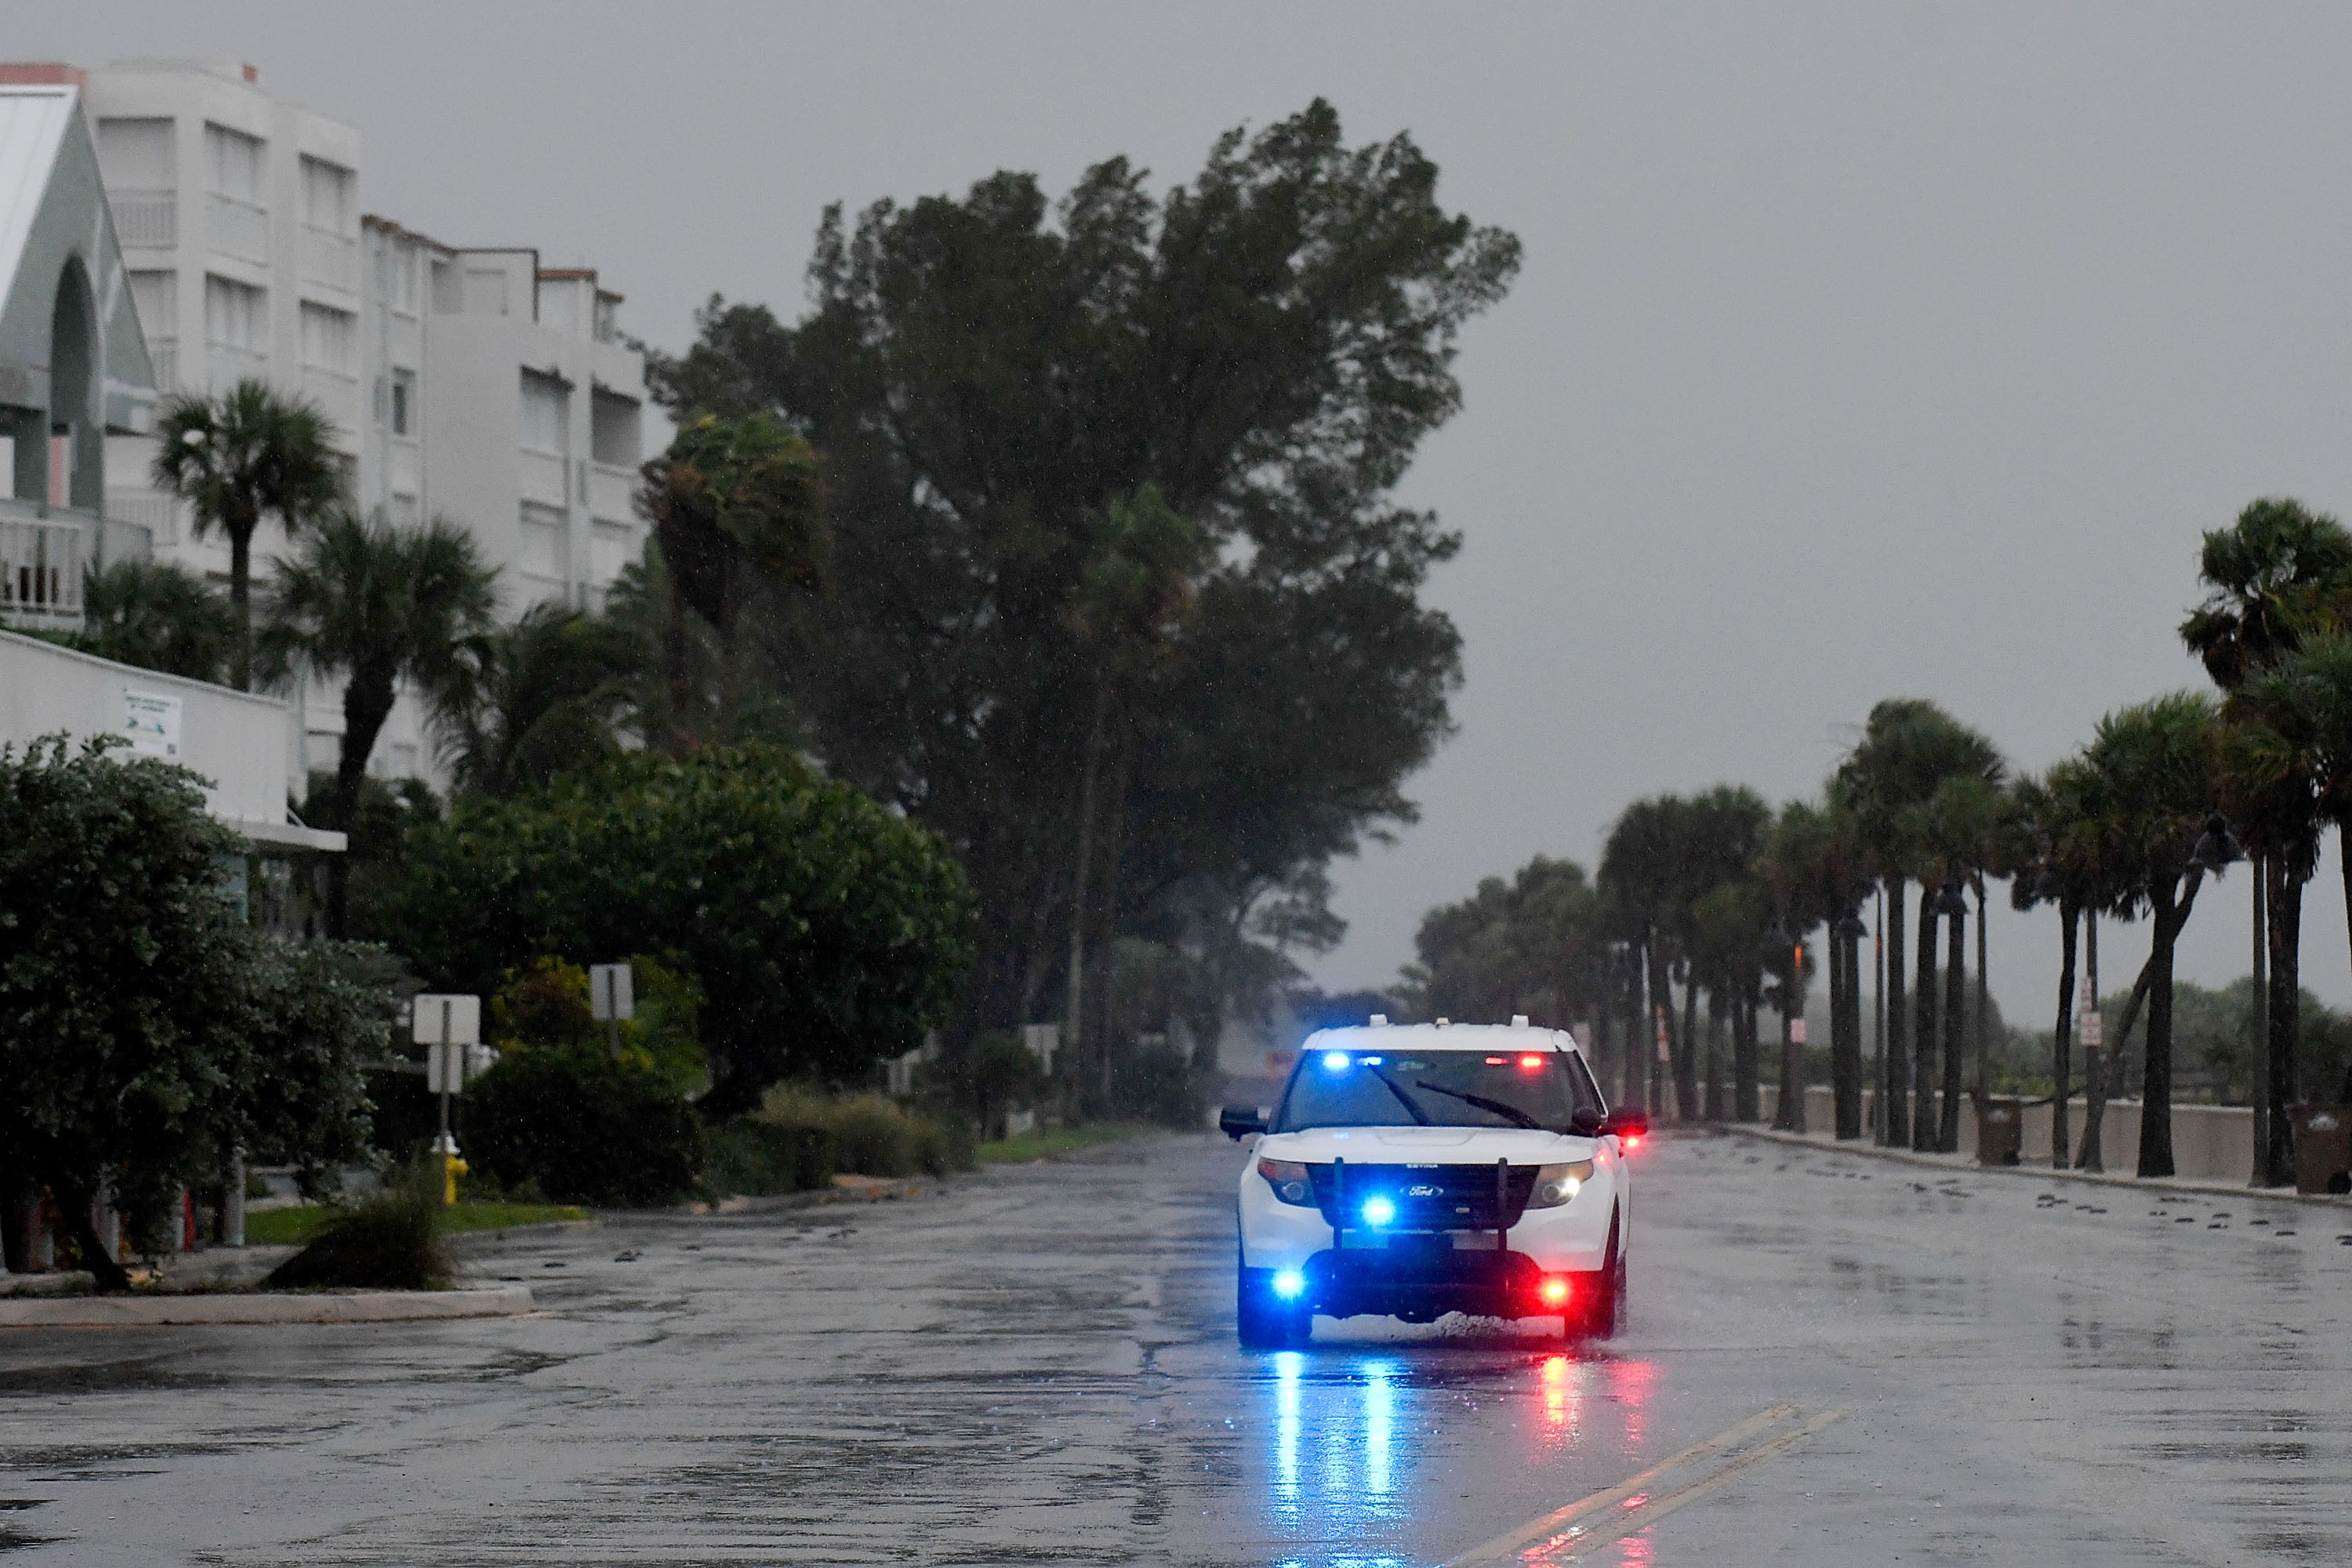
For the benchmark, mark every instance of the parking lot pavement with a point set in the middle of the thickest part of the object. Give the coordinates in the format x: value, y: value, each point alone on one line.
x: 1037, y: 1365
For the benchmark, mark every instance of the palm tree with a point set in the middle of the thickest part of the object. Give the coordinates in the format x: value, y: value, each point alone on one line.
x: 158, y: 615
x: 2158, y: 767
x: 737, y: 507
x: 550, y: 694
x: 2280, y: 575
x: 1963, y: 831
x: 247, y: 454
x: 384, y: 608
x: 1910, y: 746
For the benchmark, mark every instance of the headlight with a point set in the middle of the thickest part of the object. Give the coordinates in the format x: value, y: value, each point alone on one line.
x: 1290, y: 1181
x: 1556, y: 1185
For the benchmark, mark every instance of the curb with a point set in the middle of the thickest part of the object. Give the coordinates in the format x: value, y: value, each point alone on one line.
x: 1955, y: 1165
x: 357, y: 1307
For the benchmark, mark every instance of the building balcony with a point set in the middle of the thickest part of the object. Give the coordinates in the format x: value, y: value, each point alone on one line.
x: 42, y: 551
x: 610, y: 491
x: 540, y: 478
x: 148, y: 219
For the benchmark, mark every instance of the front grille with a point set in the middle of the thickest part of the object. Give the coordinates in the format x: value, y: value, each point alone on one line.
x: 1427, y: 1198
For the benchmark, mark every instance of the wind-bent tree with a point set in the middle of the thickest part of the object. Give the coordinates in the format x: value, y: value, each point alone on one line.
x: 238, y: 459
x: 737, y: 509
x: 1536, y: 944
x: 550, y: 694
x: 158, y: 615
x: 1266, y: 343
x: 1910, y: 746
x: 384, y: 608
x: 2159, y: 776
x: 2280, y: 575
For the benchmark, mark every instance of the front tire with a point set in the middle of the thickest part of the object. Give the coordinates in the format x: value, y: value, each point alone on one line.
x: 1605, y: 1318
x: 1262, y: 1321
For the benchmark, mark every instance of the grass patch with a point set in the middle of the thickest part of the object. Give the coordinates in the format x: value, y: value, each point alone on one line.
x: 297, y: 1227
x: 1057, y: 1141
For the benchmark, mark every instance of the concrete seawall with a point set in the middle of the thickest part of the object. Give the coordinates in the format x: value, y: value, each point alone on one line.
x: 2212, y: 1142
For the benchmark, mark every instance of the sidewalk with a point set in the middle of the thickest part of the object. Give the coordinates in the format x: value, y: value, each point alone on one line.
x: 1958, y: 1163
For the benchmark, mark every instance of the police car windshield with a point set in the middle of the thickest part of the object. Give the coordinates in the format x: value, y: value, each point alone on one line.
x: 1346, y: 1088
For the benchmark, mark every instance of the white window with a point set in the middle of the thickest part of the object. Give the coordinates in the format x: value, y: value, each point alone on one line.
x: 234, y: 314
x: 158, y: 302
x: 331, y: 339
x: 610, y: 551
x: 542, y: 542
x: 543, y: 413
x: 558, y: 306
x: 326, y: 195
x: 232, y: 164
x: 135, y: 155
x: 400, y: 276
x: 403, y: 403
x: 612, y: 430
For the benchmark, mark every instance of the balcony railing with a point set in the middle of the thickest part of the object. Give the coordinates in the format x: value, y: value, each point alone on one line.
x: 609, y: 488
x: 330, y: 259
x: 159, y: 514
x: 237, y: 227
x: 40, y: 566
x: 150, y: 219
x: 541, y: 475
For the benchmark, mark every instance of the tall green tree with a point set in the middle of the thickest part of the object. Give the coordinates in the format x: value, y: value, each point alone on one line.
x: 551, y: 694
x: 158, y: 615
x: 238, y: 459
x: 1910, y: 746
x: 2282, y: 573
x: 737, y: 508
x: 1535, y: 944
x: 2159, y: 777
x: 384, y: 608
x: 1266, y: 343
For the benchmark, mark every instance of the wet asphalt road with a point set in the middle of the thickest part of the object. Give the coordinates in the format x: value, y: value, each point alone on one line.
x: 1038, y: 1366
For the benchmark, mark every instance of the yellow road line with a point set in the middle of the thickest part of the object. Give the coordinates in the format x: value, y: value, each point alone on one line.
x: 1657, y: 1508
x: 1501, y: 1548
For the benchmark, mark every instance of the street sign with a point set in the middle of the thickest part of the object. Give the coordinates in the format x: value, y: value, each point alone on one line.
x: 457, y: 1019
x: 1796, y: 1031
x: 449, y: 1068
x: 612, y: 992
x: 2094, y: 1027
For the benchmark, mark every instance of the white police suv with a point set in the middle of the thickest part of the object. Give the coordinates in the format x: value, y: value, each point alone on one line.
x: 1423, y: 1169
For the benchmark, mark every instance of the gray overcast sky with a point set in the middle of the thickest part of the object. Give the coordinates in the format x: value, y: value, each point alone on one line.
x: 1860, y: 351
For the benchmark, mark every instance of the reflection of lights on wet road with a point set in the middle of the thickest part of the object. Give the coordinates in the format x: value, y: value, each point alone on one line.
x: 1563, y: 1393
x: 1629, y: 1385
x: 1380, y: 1420
x: 1288, y: 1365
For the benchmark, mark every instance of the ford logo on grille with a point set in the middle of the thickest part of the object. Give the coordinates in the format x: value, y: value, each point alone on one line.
x: 1424, y: 1191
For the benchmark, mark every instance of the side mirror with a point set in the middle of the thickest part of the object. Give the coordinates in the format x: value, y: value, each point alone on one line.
x: 1586, y: 1122
x: 1627, y: 1123
x: 1238, y: 1122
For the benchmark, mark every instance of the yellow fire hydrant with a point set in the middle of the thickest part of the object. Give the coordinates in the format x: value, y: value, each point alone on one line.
x: 445, y: 1150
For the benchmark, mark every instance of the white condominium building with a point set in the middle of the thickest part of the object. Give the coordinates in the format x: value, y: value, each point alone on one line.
x: 467, y: 384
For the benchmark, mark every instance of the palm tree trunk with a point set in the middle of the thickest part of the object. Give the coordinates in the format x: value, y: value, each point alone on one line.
x: 1956, y: 1029
x: 1848, y: 949
x: 1894, y: 1118
x: 1638, y: 1030
x: 2095, y: 1074
x: 2258, y: 1036
x: 2062, y: 1039
x: 1662, y: 1023
x: 1083, y: 862
x: 1878, y: 1021
x: 367, y: 702
x: 2171, y: 913
x: 1714, y: 1099
x: 1922, y: 1054
x: 1746, y: 1101
x: 240, y: 598
x: 2285, y: 922
x: 1984, y: 1001
x: 1685, y: 1049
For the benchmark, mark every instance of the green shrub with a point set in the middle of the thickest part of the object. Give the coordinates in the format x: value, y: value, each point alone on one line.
x: 872, y: 1134
x: 1157, y: 1083
x: 584, y: 1129
x: 391, y: 1241
x: 748, y: 1155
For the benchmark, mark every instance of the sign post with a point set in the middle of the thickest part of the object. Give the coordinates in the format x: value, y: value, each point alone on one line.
x: 612, y: 996
x: 449, y: 1024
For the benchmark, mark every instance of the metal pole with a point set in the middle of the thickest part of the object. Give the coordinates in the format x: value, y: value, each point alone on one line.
x: 1878, y: 1021
x: 613, y: 1015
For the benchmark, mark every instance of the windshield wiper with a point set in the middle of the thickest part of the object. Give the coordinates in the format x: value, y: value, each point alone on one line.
x: 1419, y: 1116
x: 1510, y: 1113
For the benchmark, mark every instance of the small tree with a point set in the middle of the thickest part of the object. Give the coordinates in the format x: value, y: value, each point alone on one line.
x: 383, y: 607
x: 143, y: 1030
x: 158, y: 615
x: 248, y: 455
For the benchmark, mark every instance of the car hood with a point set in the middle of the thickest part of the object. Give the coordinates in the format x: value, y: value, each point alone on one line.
x: 1424, y: 1146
